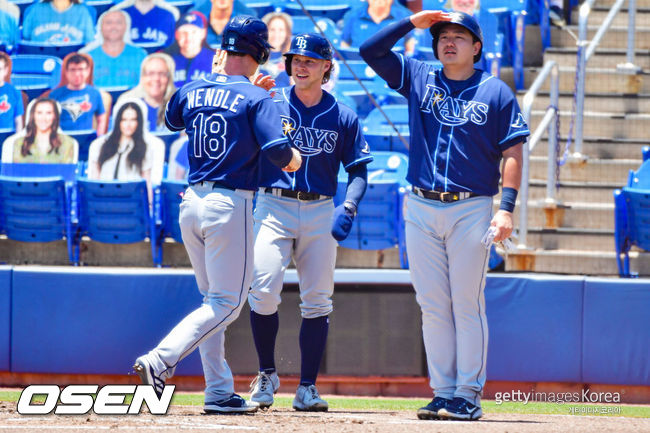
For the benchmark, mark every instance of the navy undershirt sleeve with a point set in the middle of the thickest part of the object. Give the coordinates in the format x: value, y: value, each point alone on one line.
x: 376, y: 51
x: 357, y: 183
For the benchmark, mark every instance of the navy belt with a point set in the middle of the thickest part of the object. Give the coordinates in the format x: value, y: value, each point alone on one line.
x: 300, y: 195
x: 445, y: 197
x: 213, y: 185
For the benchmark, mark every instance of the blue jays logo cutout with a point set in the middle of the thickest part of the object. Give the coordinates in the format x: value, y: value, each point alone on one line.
x: 76, y: 107
x: 4, y: 104
x: 452, y: 111
x: 310, y: 141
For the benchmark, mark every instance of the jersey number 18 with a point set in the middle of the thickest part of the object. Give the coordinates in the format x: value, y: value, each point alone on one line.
x: 209, y: 135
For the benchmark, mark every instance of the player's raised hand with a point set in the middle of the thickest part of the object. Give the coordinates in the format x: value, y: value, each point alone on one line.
x: 266, y: 82
x: 502, y: 220
x: 219, y: 61
x: 296, y: 161
x: 425, y: 19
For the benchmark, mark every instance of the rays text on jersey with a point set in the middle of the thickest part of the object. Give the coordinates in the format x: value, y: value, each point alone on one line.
x: 219, y: 98
x: 452, y: 111
x: 310, y: 141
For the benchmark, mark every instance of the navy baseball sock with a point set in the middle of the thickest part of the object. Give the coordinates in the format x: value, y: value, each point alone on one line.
x: 313, y: 337
x: 265, y: 329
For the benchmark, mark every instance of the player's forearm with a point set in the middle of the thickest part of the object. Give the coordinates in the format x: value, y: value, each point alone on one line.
x: 376, y: 51
x: 357, y: 184
x: 280, y: 154
x: 512, y: 163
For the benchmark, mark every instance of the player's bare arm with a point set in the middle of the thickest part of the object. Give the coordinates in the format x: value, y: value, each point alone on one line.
x: 296, y: 161
x: 512, y: 163
x: 219, y: 61
x: 425, y: 19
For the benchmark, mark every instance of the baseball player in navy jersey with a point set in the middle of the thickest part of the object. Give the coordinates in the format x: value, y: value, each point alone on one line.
x: 463, y: 122
x: 295, y: 217
x: 229, y: 123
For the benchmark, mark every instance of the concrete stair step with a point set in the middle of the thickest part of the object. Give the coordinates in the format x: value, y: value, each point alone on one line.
x: 580, y: 239
x: 598, y: 80
x: 609, y: 3
x: 602, y: 170
x: 578, y: 262
x: 577, y: 215
x: 615, y: 103
x: 616, y: 37
x: 568, y: 191
x: 602, y: 148
x: 598, y: 14
x: 602, y: 124
x: 602, y: 58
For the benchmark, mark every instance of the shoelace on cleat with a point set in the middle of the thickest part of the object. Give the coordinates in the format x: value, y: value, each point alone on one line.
x: 262, y: 379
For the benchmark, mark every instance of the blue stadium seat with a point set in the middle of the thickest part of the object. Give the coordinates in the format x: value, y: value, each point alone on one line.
x: 98, y: 7
x: 379, y: 223
x: 167, y: 198
x: 380, y: 135
x: 115, y: 91
x: 34, y: 73
x: 47, y: 49
x: 260, y: 7
x: 168, y: 137
x: 84, y: 138
x: 66, y: 171
x: 492, y: 42
x: 632, y: 216
x: 332, y: 9
x: 22, y: 5
x: 303, y: 24
x: 34, y: 209
x: 360, y: 69
x: 113, y: 212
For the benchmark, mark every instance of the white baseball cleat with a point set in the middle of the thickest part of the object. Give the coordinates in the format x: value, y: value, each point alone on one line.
x: 148, y: 376
x: 263, y: 387
x: 307, y: 399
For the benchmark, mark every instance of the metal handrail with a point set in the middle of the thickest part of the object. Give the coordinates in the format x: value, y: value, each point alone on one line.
x: 586, y: 49
x: 550, y: 69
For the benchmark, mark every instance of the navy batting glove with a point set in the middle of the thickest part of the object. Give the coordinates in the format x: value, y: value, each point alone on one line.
x: 341, y: 222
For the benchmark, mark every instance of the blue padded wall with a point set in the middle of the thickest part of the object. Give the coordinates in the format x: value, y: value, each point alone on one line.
x: 5, y: 316
x: 75, y: 320
x: 616, y: 346
x: 535, y: 328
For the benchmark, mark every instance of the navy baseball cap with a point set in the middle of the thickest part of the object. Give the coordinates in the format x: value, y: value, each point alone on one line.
x: 194, y: 18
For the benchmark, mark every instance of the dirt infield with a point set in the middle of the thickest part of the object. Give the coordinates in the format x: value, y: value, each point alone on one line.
x: 191, y: 418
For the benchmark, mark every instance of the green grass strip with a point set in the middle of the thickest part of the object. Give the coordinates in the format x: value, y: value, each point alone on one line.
x: 411, y: 404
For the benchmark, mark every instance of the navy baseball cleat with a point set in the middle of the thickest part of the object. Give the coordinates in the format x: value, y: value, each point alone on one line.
x: 233, y: 404
x: 430, y: 411
x: 148, y: 376
x: 461, y: 409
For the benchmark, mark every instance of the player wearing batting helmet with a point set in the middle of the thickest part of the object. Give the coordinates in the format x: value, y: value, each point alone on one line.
x: 295, y: 217
x: 230, y: 123
x: 463, y: 122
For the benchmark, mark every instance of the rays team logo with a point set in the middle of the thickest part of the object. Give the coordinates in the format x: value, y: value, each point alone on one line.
x: 4, y: 104
x: 77, y: 106
x: 310, y: 141
x: 301, y: 43
x: 452, y: 111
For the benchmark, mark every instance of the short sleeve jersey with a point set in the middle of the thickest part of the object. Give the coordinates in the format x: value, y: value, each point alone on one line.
x: 228, y: 121
x: 44, y: 23
x: 155, y: 27
x: 120, y: 71
x: 11, y: 106
x: 78, y: 107
x: 326, y: 134
x: 458, y: 129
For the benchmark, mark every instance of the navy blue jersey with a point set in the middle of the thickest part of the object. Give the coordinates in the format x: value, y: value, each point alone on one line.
x: 228, y: 121
x: 326, y: 134
x: 458, y: 129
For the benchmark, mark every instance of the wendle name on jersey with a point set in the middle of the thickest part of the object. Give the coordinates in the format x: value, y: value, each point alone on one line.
x: 212, y: 97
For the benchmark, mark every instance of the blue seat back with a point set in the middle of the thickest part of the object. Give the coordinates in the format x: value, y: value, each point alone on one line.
x: 65, y: 171
x: 182, y: 5
x: 98, y: 7
x: 332, y: 9
x: 171, y: 195
x: 638, y: 209
x: 35, y: 73
x: 47, y: 49
x: 397, y: 113
x: 33, y: 209
x: 84, y: 138
x: 168, y: 137
x: 360, y: 69
x: 302, y: 24
x: 113, y: 211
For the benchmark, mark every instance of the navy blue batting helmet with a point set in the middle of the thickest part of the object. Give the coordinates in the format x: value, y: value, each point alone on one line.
x: 247, y: 35
x: 308, y: 45
x: 463, y: 20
